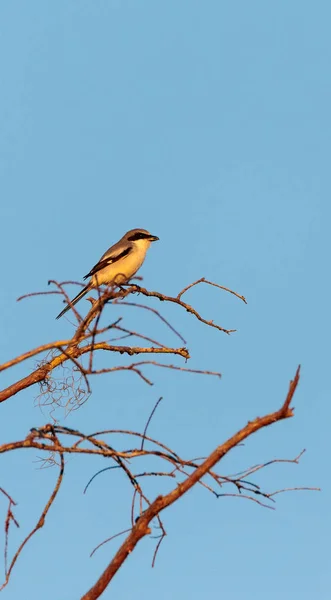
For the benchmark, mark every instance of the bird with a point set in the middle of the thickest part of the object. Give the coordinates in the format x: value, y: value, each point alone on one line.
x: 118, y: 264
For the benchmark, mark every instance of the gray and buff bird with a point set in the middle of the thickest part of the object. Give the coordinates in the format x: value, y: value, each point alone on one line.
x: 118, y: 264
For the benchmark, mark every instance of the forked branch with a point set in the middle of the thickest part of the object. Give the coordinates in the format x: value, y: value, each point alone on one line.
x: 86, y: 338
x: 142, y: 526
x: 51, y: 440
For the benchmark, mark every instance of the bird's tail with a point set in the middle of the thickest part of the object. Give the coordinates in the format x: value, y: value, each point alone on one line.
x: 75, y: 300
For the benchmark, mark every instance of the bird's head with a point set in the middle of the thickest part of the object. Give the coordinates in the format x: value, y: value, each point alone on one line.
x: 140, y: 237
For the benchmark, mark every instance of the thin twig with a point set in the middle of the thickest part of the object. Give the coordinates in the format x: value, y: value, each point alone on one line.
x: 40, y: 523
x: 148, y: 422
x: 221, y: 287
x: 155, y: 312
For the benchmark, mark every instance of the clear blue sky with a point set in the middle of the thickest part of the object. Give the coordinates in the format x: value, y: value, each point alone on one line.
x: 209, y: 124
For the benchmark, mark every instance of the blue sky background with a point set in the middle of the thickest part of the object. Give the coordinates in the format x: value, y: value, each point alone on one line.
x: 209, y: 124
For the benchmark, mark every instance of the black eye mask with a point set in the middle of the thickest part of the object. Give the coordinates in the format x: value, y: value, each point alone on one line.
x: 139, y: 236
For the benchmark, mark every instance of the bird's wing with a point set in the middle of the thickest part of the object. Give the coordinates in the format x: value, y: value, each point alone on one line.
x: 112, y: 257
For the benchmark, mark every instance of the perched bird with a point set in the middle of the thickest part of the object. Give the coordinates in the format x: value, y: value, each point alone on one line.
x: 118, y: 264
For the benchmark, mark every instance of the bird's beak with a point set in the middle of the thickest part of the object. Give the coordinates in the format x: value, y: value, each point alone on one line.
x: 153, y: 238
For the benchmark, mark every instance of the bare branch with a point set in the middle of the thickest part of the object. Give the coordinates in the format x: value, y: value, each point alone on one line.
x: 155, y: 312
x: 52, y: 441
x: 142, y: 528
x: 148, y: 422
x: 40, y: 523
x: 134, y: 367
x: 203, y: 280
x: 176, y: 300
x: 46, y: 439
x: 72, y: 349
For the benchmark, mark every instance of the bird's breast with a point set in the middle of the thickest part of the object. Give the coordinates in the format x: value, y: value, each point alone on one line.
x: 120, y: 271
